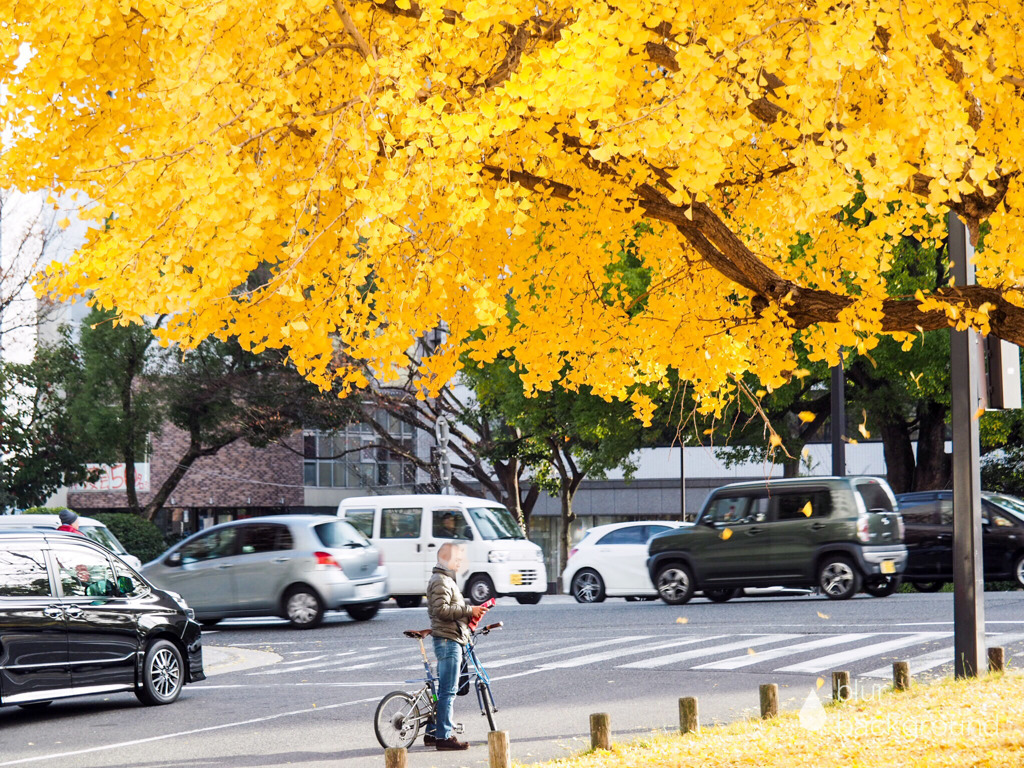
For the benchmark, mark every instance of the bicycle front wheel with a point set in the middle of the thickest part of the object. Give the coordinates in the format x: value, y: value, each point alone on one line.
x: 486, y: 703
x: 397, y: 720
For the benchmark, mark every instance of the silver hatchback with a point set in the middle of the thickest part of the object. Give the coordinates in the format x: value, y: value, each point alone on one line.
x: 294, y: 566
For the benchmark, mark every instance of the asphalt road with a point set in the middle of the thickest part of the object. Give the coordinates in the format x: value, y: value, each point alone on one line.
x: 278, y: 696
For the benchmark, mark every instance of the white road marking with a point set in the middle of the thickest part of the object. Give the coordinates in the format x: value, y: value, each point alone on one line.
x: 712, y: 650
x: 837, y: 660
x: 561, y: 651
x: 178, y: 734
x: 748, y: 660
x: 933, y: 659
x: 593, y: 658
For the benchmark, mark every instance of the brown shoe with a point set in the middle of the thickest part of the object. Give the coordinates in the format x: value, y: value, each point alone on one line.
x: 429, y: 741
x: 451, y: 744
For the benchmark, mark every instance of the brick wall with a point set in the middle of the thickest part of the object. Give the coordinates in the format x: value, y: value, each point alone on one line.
x: 237, y: 476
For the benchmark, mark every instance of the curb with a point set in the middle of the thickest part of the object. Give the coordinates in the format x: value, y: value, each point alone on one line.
x: 221, y: 659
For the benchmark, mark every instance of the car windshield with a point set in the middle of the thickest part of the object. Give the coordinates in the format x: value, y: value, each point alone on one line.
x: 102, y: 535
x: 1010, y: 505
x: 495, y: 523
x: 338, y: 534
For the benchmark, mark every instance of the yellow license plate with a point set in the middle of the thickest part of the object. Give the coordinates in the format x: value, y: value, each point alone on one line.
x: 888, y: 566
x: 516, y: 578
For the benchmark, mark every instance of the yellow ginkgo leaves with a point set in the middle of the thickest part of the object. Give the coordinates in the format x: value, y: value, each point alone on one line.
x: 726, y: 534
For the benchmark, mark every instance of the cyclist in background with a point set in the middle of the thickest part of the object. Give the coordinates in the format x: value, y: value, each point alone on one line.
x: 449, y: 624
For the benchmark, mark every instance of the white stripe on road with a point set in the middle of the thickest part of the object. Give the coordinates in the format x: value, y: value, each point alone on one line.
x: 509, y: 646
x: 837, y: 660
x: 562, y: 651
x: 163, y: 737
x: 713, y: 650
x: 748, y: 660
x: 617, y: 653
x: 933, y: 659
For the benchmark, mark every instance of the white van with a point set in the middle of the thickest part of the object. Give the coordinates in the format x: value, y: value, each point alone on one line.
x: 93, y: 529
x: 409, y: 529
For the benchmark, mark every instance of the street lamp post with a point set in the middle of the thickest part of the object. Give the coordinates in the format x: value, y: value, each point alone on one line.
x: 965, y: 392
x: 444, y: 464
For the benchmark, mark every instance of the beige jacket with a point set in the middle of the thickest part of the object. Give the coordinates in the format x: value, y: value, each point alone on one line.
x: 449, y: 614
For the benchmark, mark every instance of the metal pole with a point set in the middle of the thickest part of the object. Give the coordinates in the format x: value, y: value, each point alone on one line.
x: 965, y: 393
x: 838, y: 418
x: 682, y: 481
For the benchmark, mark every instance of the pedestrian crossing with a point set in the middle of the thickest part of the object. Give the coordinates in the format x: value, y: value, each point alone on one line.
x: 867, y: 654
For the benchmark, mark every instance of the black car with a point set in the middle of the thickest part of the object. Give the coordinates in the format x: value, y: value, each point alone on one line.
x: 75, y: 620
x: 928, y: 516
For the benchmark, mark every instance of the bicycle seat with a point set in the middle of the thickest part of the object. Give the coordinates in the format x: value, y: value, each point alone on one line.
x: 416, y: 634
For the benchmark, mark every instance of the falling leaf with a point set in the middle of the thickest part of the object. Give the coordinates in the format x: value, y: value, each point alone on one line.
x: 775, y: 440
x: 682, y: 620
x: 979, y: 413
x: 820, y: 682
x: 806, y: 416
x: 863, y: 426
x: 822, y: 615
x: 726, y: 533
x: 807, y: 509
x: 751, y: 652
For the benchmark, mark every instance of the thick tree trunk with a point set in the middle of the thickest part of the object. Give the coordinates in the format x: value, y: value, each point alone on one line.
x: 568, y: 517
x: 899, y: 455
x: 934, y: 467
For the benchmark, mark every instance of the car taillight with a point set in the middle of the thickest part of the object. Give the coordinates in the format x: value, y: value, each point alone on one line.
x: 325, y: 560
x: 573, y: 551
x: 863, y: 528
x: 901, y: 527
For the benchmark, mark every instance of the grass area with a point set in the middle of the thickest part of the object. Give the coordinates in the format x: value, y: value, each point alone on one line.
x: 949, y: 724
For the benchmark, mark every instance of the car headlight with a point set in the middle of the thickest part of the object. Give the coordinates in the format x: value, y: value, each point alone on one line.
x: 540, y: 555
x: 497, y: 556
x: 180, y: 602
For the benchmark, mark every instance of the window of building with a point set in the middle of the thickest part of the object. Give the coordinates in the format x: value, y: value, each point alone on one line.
x: 353, y: 457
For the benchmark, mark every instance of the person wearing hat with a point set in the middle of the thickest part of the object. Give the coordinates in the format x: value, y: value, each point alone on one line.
x: 69, y: 522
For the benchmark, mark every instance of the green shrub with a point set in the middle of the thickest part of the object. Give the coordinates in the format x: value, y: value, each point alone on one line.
x: 43, y: 510
x: 140, y: 537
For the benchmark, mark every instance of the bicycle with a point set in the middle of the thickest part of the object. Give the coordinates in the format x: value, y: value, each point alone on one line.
x: 400, y: 715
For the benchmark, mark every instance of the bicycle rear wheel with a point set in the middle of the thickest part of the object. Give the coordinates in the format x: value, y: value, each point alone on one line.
x: 397, y: 720
x: 486, y: 703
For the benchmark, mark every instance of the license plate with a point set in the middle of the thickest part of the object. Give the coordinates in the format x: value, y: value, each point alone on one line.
x: 888, y: 566
x: 364, y: 591
x: 516, y: 579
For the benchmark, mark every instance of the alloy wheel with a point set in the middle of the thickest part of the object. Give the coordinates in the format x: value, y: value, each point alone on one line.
x: 837, y: 578
x: 165, y: 672
x: 302, y: 608
x: 673, y: 584
x: 588, y: 587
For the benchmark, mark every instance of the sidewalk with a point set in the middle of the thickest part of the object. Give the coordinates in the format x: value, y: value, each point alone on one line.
x: 221, y: 659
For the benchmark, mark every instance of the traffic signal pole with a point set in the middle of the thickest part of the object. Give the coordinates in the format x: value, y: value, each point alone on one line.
x: 966, y: 361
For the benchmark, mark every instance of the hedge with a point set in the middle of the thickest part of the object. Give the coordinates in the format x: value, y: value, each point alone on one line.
x: 140, y: 537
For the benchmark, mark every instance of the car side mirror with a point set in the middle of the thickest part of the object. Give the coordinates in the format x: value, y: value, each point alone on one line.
x: 708, y: 521
x: 173, y: 560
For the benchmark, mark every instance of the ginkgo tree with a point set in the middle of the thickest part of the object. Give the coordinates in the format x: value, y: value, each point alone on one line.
x: 337, y: 177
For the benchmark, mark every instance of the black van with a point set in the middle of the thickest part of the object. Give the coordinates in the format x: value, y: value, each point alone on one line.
x: 929, y: 519
x: 75, y: 620
x: 837, y: 534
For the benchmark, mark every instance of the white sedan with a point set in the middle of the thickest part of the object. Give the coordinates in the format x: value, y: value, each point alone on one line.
x: 611, y: 561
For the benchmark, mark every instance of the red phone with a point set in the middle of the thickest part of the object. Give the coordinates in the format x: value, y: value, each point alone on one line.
x: 474, y: 622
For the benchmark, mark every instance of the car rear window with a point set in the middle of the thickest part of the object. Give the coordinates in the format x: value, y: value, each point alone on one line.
x: 874, y: 496
x: 339, y: 534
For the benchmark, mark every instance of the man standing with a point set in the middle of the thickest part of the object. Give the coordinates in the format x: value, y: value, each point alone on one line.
x: 449, y: 624
x: 69, y: 522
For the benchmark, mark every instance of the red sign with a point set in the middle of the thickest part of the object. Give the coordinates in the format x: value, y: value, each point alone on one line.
x: 113, y: 479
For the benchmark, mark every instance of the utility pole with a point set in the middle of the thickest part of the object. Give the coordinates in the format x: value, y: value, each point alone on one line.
x: 838, y: 418
x: 444, y: 464
x: 965, y: 392
x: 682, y: 481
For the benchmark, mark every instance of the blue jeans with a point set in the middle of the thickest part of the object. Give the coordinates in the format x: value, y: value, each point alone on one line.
x: 449, y: 662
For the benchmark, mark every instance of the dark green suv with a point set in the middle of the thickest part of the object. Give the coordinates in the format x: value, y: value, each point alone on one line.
x: 837, y: 534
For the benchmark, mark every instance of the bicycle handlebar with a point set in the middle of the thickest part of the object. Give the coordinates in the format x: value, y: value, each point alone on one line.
x: 489, y: 627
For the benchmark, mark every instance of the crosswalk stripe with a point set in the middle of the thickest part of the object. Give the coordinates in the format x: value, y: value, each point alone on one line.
x: 593, y: 658
x: 306, y: 659
x: 488, y: 652
x: 562, y: 651
x: 837, y: 660
x: 712, y: 650
x: 747, y: 660
x: 280, y: 669
x: 933, y: 659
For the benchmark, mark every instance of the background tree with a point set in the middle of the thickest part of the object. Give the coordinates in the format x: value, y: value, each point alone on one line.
x: 40, y: 451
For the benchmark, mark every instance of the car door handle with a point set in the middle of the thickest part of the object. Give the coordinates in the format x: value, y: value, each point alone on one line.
x: 53, y: 612
x: 225, y: 566
x: 817, y: 526
x: 72, y: 611
x: 431, y: 545
x: 281, y: 559
x: 754, y: 530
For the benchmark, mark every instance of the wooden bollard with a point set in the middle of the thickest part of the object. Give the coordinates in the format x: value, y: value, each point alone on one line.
x: 497, y: 749
x: 996, y: 659
x: 900, y: 675
x: 688, y: 720
x: 769, y: 700
x: 841, y: 686
x: 600, y: 731
x: 395, y: 757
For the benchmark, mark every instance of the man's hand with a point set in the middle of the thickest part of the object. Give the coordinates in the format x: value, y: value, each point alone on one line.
x: 479, y: 610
